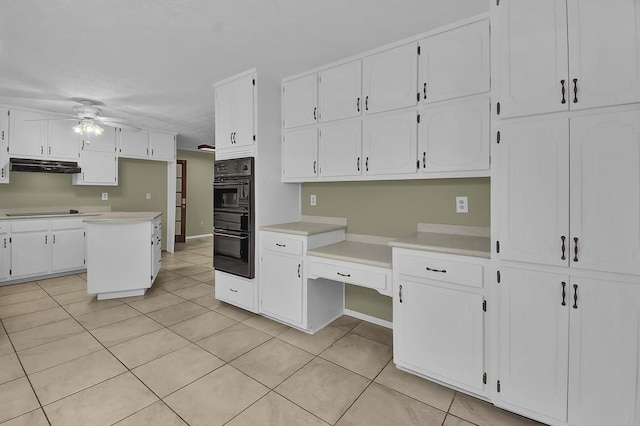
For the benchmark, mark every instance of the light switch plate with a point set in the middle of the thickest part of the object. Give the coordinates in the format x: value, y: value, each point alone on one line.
x: 462, y: 204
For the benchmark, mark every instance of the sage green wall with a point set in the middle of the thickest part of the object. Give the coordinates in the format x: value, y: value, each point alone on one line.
x: 135, y: 178
x: 393, y: 209
x: 199, y: 191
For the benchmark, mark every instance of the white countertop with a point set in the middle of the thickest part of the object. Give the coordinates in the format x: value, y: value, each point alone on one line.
x: 464, y: 245
x: 124, y: 217
x: 357, y: 252
x: 303, y: 228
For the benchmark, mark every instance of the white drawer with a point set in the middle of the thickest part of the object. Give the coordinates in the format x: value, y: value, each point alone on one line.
x: 281, y: 244
x: 351, y: 273
x: 238, y: 293
x: 468, y: 274
x: 58, y: 224
x: 30, y: 225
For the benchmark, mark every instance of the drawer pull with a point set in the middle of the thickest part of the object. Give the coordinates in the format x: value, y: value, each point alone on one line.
x: 281, y: 245
x: 343, y: 275
x: 233, y: 291
x: 299, y: 276
x: 444, y: 271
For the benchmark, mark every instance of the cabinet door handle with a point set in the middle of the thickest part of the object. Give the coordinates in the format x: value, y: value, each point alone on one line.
x: 49, y: 150
x: 563, y: 257
x: 233, y: 290
x: 424, y: 91
x: 315, y: 110
x: 281, y: 245
x: 366, y: 103
x: 575, y: 90
x: 343, y: 275
x: 366, y: 164
x: 41, y: 149
x: 575, y: 249
x: 564, y: 101
x: 575, y: 296
x: 54, y: 238
x: 46, y: 239
x: 358, y: 163
x: 424, y: 160
x: 314, y: 166
x: 400, y: 293
x: 444, y: 271
x: 357, y: 105
x: 564, y: 294
x: 5, y: 243
x: 231, y: 137
x: 299, y: 265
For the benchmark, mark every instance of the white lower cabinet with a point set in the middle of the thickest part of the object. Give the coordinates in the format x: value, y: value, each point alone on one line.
x: 67, y: 245
x: 569, y: 348
x: 438, y: 318
x: 287, y: 294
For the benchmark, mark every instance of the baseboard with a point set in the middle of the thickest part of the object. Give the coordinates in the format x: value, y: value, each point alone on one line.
x: 368, y: 318
x: 199, y: 236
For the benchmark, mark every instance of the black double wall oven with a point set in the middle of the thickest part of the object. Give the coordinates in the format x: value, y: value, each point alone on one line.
x: 233, y: 217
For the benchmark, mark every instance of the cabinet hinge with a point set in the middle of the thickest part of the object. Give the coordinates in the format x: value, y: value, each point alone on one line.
x: 10, y: 272
x: 254, y: 137
x: 498, y: 386
x: 498, y: 276
x: 497, y: 246
x: 484, y: 378
x: 151, y: 277
x: 484, y: 305
x: 418, y: 49
x: 498, y: 137
x: 84, y: 261
x: 418, y: 118
x: 9, y: 239
x: 498, y: 108
x: 253, y: 81
x: 418, y: 164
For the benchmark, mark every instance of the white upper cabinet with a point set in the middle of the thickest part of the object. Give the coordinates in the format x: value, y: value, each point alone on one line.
x: 341, y: 91
x: 605, y: 192
x: 532, y: 175
x: 454, y: 136
x: 28, y: 133
x: 300, y: 101
x: 530, y: 43
x: 234, y: 118
x: 604, y: 52
x: 134, y: 143
x: 300, y: 153
x: 536, y: 73
x: 340, y: 148
x: 106, y: 142
x: 455, y: 63
x: 62, y: 141
x: 4, y: 145
x: 98, y: 168
x: 390, y: 79
x: 162, y: 146
x: 389, y: 143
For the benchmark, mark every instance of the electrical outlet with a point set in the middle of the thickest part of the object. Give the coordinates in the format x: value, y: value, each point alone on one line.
x: 148, y: 196
x: 462, y: 204
x: 105, y: 196
x: 312, y: 200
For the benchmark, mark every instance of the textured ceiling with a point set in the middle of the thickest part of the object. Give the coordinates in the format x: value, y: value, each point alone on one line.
x: 153, y: 62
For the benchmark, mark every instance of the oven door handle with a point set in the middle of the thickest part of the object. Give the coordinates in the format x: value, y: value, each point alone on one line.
x: 237, y: 237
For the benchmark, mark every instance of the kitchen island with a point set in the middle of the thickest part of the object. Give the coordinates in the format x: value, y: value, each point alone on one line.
x: 123, y: 253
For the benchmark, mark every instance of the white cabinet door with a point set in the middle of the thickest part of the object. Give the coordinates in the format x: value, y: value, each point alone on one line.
x: 67, y: 249
x: 439, y: 332
x: 106, y: 142
x: 300, y: 153
x: 5, y: 259
x: 604, y: 355
x: 455, y: 63
x: 341, y: 91
x: 243, y: 111
x: 28, y: 134
x: 534, y: 341
x: 605, y: 192
x: 300, y: 101
x: 530, y: 69
x: 532, y: 173
x: 63, y: 142
x: 133, y: 143
x: 340, y: 148
x: 281, y: 287
x: 162, y: 146
x: 604, y: 52
x: 30, y: 253
x: 454, y: 136
x: 4, y: 145
x: 224, y: 98
x: 98, y: 168
x: 390, y: 142
x: 390, y: 78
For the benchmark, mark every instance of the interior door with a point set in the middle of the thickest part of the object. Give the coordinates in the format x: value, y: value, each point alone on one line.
x: 181, y: 201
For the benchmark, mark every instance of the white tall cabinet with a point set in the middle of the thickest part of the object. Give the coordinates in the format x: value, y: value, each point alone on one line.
x: 234, y: 118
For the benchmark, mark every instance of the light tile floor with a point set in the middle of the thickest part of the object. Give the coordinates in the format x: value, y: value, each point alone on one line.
x: 178, y: 356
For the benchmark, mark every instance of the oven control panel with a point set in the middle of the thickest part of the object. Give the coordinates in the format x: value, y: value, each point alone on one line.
x: 234, y: 167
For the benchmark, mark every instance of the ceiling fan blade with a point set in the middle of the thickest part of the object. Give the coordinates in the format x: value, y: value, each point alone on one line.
x: 114, y: 119
x: 70, y: 118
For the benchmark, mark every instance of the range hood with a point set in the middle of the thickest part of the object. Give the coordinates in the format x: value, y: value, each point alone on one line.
x: 43, y: 166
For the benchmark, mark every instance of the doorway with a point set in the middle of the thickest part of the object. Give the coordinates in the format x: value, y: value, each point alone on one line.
x: 181, y: 200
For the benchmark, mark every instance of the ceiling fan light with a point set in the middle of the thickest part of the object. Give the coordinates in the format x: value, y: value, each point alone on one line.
x: 77, y: 128
x: 205, y: 147
x: 98, y: 130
